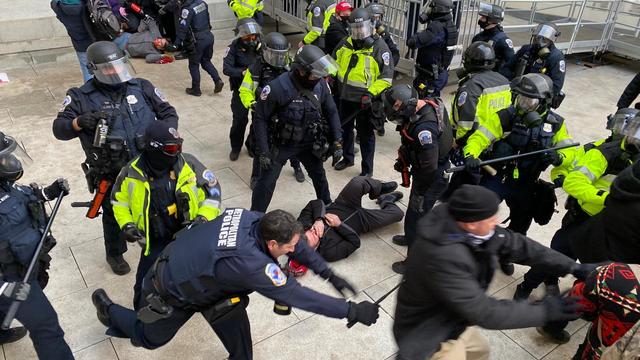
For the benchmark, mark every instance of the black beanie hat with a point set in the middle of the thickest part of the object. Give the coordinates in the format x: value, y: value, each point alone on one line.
x: 471, y: 203
x: 162, y: 133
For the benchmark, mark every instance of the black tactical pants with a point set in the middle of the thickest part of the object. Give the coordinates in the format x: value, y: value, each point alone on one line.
x: 114, y: 243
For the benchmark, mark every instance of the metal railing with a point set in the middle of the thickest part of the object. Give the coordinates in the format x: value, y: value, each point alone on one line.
x: 585, y: 25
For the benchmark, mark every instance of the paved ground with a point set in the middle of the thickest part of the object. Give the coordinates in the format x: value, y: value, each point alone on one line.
x: 29, y: 103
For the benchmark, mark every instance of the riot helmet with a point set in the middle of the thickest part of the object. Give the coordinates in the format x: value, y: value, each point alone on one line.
x: 276, y: 50
x: 162, y: 146
x: 632, y: 133
x: 533, y: 92
x: 248, y: 31
x: 618, y: 122
x: 492, y: 14
x: 12, y: 158
x: 479, y: 56
x: 400, y: 102
x: 108, y: 64
x: 313, y: 61
x: 360, y: 24
x: 544, y: 34
x: 435, y: 8
x: 376, y: 11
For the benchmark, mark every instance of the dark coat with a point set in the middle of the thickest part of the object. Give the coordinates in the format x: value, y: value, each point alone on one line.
x: 447, y: 275
x: 336, y: 31
x: 621, y: 218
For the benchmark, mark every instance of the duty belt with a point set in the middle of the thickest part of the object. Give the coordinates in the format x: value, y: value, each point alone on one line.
x: 157, y: 271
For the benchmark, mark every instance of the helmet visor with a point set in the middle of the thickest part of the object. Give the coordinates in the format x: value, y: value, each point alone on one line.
x: 324, y: 66
x: 546, y: 31
x: 275, y: 58
x: 361, y: 30
x: 13, y: 158
x: 248, y: 29
x: 526, y: 103
x: 114, y: 72
x: 485, y: 9
x: 632, y: 129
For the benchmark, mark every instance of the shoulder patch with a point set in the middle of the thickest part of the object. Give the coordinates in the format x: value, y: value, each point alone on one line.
x: 425, y: 137
x: 67, y: 101
x: 275, y: 274
x: 185, y: 13
x: 509, y: 43
x: 462, y: 98
x: 210, y: 177
x: 317, y: 11
x: 159, y: 94
x: 386, y: 58
x: 562, y: 66
x: 226, y: 52
x: 183, y: 22
x: 547, y: 127
x: 265, y: 92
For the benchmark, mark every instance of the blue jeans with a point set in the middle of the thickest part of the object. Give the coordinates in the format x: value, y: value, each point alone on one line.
x: 82, y: 59
x: 122, y: 41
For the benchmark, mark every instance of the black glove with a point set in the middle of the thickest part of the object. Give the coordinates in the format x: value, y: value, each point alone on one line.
x: 337, y: 153
x: 398, y: 166
x: 365, y: 101
x: 561, y: 308
x: 198, y: 220
x: 364, y: 312
x: 89, y: 120
x: 411, y: 42
x: 60, y: 186
x: 582, y: 271
x: 171, y: 47
x: 18, y: 291
x: 131, y: 234
x: 341, y: 285
x: 265, y: 162
x: 471, y: 163
x: 558, y: 181
x: 552, y: 157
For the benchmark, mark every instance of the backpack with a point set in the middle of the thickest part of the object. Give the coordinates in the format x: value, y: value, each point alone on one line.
x: 103, y: 19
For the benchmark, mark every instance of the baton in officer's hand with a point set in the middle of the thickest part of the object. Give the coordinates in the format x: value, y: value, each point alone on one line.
x: 351, y: 323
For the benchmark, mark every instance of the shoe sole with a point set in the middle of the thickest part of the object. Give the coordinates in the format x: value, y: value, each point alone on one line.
x: 551, y: 338
x: 342, y: 168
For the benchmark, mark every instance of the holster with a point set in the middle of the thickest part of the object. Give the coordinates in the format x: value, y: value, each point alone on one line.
x: 402, y: 158
x: 156, y: 309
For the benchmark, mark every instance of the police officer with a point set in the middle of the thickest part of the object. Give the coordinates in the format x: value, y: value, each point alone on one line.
x: 22, y: 222
x: 241, y: 53
x: 377, y: 14
x: 319, y: 14
x: 426, y: 139
x: 72, y: 14
x: 490, y: 18
x: 338, y: 26
x: 123, y: 107
x: 527, y: 125
x: 296, y: 116
x: 588, y: 187
x: 434, y: 57
x: 365, y: 70
x: 274, y: 60
x: 481, y: 93
x: 194, y: 37
x: 542, y: 56
x: 630, y: 93
x: 196, y: 274
x: 244, y: 9
x: 179, y: 190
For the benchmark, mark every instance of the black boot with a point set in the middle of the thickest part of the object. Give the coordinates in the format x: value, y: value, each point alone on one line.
x: 507, y: 268
x: 193, y: 92
x: 297, y: 172
x: 218, y: 86
x: 522, y: 292
x: 342, y: 164
x: 12, y: 335
x: 388, y: 187
x: 102, y: 302
x: 385, y: 199
x: 233, y: 155
x: 399, y: 240
x: 558, y: 336
x: 399, y: 267
x: 118, y: 264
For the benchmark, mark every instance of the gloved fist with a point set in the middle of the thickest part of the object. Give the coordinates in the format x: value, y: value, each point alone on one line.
x: 131, y: 234
x: 365, y: 101
x: 552, y: 157
x: 398, y: 166
x: 582, y: 271
x: 561, y: 308
x: 471, y: 163
x: 60, y: 186
x: 337, y: 153
x: 89, y: 120
x: 411, y: 42
x: 265, y: 162
x: 171, y: 47
x: 341, y: 285
x: 364, y: 312
x: 252, y: 107
x: 18, y: 291
x: 559, y: 181
x: 198, y: 220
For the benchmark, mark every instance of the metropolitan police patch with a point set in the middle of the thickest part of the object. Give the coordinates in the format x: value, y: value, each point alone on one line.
x: 509, y: 43
x: 316, y: 11
x: 425, y: 137
x: 265, y: 92
x: 562, y: 66
x: 185, y: 13
x: 159, y: 94
x: 462, y: 98
x: 275, y: 274
x: 211, y: 179
x: 226, y: 52
x: 67, y: 101
x: 385, y: 57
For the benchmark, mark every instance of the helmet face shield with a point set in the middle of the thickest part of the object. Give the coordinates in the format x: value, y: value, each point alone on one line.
x: 13, y: 159
x: 361, y: 30
x: 543, y: 35
x: 275, y: 58
x: 114, y: 72
x: 249, y: 28
x: 526, y: 103
x: 632, y: 130
x: 484, y: 9
x: 324, y: 66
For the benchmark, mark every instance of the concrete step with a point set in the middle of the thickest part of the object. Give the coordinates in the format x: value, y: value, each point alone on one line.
x: 31, y: 25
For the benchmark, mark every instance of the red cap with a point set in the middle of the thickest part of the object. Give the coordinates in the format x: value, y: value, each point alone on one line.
x: 343, y: 6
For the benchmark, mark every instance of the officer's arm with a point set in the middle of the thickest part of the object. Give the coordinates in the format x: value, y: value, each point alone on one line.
x: 393, y: 47
x: 630, y: 93
x: 330, y: 112
x: 505, y: 48
x: 431, y: 35
x: 121, y: 199
x: 265, y: 108
x: 239, y: 9
x: 489, y: 129
x: 560, y: 138
x: 186, y: 17
x: 385, y: 64
x: 63, y: 124
x: 556, y: 72
x: 209, y: 192
x: 229, y: 67
x: 579, y: 182
x: 311, y: 212
x: 522, y: 250
x: 247, y: 90
x: 317, y: 23
x: 305, y: 255
x: 513, y: 62
x: 161, y: 107
x: 428, y: 157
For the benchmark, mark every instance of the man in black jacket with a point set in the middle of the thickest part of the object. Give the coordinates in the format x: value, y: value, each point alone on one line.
x: 338, y: 27
x: 460, y: 247
x: 630, y: 93
x: 334, y: 230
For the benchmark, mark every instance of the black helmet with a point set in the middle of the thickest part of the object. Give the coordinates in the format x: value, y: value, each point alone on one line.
x: 11, y: 157
x: 435, y: 8
x: 532, y: 90
x: 545, y: 34
x: 493, y: 13
x: 376, y: 10
x: 312, y: 60
x: 479, y: 56
x: 408, y: 97
x: 247, y: 26
x: 275, y: 51
x: 618, y: 122
x: 360, y: 24
x: 108, y: 63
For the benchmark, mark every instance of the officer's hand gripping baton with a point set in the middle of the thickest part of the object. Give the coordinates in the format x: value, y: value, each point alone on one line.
x: 514, y: 157
x: 13, y: 308
x: 351, y: 323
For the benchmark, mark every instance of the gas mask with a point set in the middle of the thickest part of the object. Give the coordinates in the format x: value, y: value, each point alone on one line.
x: 530, y: 120
x: 405, y: 113
x: 526, y: 104
x: 251, y: 42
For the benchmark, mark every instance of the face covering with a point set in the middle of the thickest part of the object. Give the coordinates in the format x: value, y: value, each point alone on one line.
x: 483, y: 23
x: 304, y: 81
x: 480, y: 239
x: 159, y: 161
